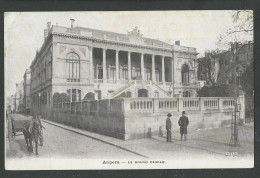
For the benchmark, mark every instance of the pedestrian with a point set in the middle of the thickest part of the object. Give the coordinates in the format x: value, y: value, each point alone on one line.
x: 183, y: 123
x: 169, y: 127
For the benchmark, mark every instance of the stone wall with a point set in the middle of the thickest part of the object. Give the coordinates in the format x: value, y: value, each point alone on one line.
x: 133, y: 118
x: 106, y: 125
x: 142, y: 125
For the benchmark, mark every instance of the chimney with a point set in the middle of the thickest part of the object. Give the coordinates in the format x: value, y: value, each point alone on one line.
x: 48, y: 26
x: 178, y: 43
x: 45, y: 33
x: 72, y: 22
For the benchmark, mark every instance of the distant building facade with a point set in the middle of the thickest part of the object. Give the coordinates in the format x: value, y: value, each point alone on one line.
x: 18, y: 98
x: 78, y: 63
x: 10, y: 102
x: 238, y: 57
x: 27, y: 93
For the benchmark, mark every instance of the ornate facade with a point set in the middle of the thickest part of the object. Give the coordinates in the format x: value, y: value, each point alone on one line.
x: 81, y: 63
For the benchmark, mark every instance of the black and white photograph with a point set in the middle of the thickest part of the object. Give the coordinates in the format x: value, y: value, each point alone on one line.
x: 95, y: 90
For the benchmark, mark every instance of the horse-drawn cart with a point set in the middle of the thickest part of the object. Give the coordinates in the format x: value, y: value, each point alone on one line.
x: 19, y: 122
x: 24, y: 124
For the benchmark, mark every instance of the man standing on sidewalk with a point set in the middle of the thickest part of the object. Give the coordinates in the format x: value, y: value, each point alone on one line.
x: 183, y: 123
x: 169, y: 127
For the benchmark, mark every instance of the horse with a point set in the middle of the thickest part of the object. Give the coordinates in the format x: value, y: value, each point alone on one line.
x: 28, y: 136
x: 34, y: 135
x: 28, y: 139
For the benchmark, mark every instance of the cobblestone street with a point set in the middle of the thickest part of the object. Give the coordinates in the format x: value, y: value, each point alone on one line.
x: 62, y: 141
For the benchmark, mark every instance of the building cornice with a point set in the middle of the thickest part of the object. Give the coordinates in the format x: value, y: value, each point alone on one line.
x: 104, y: 41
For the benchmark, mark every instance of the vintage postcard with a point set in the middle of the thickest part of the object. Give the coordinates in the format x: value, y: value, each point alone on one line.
x: 129, y: 90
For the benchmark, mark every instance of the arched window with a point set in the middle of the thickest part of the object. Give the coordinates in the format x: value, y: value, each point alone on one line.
x: 72, y: 62
x: 142, y: 93
x: 89, y: 96
x: 185, y: 74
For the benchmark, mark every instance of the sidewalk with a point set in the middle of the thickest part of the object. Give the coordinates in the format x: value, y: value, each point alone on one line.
x: 200, y: 144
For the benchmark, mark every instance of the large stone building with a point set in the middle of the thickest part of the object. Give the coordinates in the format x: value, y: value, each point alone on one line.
x: 27, y: 93
x: 79, y: 63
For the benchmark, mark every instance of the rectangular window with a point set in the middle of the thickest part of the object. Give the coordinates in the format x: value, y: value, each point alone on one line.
x: 73, y: 98
x: 79, y: 95
x: 68, y: 70
x: 78, y: 71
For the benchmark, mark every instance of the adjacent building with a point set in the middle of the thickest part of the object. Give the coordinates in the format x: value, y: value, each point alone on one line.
x: 227, y: 63
x: 27, y: 93
x: 80, y: 63
x: 18, y: 98
x: 237, y: 58
x: 10, y: 102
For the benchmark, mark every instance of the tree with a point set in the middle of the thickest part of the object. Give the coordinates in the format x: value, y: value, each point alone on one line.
x: 224, y: 90
x: 242, y: 29
x: 60, y: 97
x: 210, y: 64
x: 89, y: 96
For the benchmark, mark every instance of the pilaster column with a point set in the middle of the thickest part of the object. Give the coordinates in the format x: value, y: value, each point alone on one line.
x: 117, y: 65
x: 104, y: 65
x: 172, y: 74
x: 91, y: 71
x: 142, y: 66
x: 129, y: 66
x: 109, y: 69
x: 163, y: 70
x: 153, y: 68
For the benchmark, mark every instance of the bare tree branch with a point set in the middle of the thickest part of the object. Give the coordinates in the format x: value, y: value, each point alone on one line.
x: 243, y: 24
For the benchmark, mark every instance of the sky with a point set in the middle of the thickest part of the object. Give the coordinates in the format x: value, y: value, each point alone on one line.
x: 24, y: 31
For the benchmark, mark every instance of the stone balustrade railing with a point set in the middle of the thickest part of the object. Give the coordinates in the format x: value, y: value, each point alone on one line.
x: 195, y: 84
x: 145, y: 105
x: 184, y: 48
x: 178, y: 104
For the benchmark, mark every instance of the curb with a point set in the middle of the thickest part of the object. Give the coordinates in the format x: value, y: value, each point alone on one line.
x: 80, y: 133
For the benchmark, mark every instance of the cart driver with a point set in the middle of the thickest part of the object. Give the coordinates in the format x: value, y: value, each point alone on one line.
x: 37, y: 123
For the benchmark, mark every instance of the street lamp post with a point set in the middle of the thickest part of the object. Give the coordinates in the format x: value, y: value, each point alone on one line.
x: 234, y: 141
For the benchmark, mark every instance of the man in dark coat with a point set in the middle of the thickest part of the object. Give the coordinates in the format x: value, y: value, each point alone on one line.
x: 169, y: 127
x: 183, y: 123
